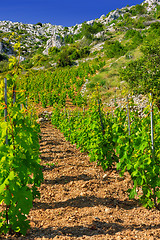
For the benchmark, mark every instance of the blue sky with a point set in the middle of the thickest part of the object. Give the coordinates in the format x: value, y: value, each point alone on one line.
x: 66, y: 13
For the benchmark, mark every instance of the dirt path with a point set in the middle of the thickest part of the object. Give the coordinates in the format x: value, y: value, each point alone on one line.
x: 80, y: 201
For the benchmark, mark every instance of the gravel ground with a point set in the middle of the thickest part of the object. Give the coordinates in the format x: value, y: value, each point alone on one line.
x: 81, y: 201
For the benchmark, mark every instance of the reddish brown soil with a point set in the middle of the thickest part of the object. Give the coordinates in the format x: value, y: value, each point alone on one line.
x: 80, y: 201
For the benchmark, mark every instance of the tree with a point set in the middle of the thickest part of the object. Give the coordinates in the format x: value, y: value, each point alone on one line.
x: 114, y: 49
x: 63, y: 59
x: 53, y: 51
x: 86, y: 30
x: 40, y: 24
x: 143, y: 75
x: 3, y: 57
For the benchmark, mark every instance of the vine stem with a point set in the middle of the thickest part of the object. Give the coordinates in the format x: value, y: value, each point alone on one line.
x: 152, y: 132
x: 129, y: 124
x: 14, y: 94
x: 152, y: 141
x: 5, y: 109
x: 99, y: 109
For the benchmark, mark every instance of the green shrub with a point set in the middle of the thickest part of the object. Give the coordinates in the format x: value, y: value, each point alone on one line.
x: 39, y: 59
x: 87, y: 30
x: 155, y: 26
x: 63, y: 59
x: 68, y: 39
x: 40, y: 24
x: 155, y: 29
x: 53, y: 51
x: 3, y: 66
x: 27, y: 64
x: 138, y: 9
x: 97, y: 27
x: 66, y: 29
x: 136, y: 39
x: 127, y: 21
x: 130, y: 33
x: 3, y: 57
x: 158, y: 12
x: 84, y: 52
x: 140, y: 23
x: 74, y: 55
x: 114, y: 49
x: 143, y: 75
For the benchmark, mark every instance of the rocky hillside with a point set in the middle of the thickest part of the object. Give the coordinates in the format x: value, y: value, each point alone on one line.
x: 40, y: 37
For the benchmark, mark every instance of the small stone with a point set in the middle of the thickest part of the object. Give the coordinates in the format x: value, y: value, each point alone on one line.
x: 82, y: 194
x: 104, y: 176
x: 71, y: 183
x: 45, y: 112
x: 151, y: 238
x: 108, y: 210
x: 40, y: 120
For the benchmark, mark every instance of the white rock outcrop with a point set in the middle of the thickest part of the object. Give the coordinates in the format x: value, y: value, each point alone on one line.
x: 41, y: 36
x: 1, y: 47
x: 55, y: 41
x: 5, y: 49
x: 151, y: 4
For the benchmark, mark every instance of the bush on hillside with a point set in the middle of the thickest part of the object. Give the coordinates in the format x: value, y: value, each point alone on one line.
x: 155, y: 29
x: 140, y: 23
x: 130, y: 33
x: 70, y: 53
x: 157, y: 13
x: 155, y: 26
x: 138, y: 10
x: 88, y: 30
x: 84, y: 52
x: 3, y: 57
x: 143, y: 75
x: 39, y: 59
x: 27, y: 64
x: 127, y: 21
x: 97, y: 27
x: 63, y: 59
x: 114, y: 49
x: 75, y: 54
x: 52, y: 51
x: 39, y: 24
x: 136, y: 39
x: 68, y: 39
x: 3, y: 66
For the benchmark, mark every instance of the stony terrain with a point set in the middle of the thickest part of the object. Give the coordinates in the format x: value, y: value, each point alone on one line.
x: 47, y: 35
x: 80, y: 201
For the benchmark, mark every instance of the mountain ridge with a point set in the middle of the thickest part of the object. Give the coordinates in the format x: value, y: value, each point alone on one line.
x: 39, y: 38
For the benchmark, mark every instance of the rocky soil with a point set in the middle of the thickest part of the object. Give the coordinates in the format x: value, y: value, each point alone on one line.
x: 81, y: 201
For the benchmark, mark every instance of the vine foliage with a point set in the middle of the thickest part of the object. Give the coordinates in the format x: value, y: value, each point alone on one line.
x: 20, y: 171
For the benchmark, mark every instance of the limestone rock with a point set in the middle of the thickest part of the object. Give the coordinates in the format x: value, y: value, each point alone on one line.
x: 6, y: 49
x: 1, y: 47
x: 55, y: 41
x: 151, y: 4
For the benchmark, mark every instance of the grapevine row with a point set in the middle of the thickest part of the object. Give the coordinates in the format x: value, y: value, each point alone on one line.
x: 55, y: 87
x: 106, y: 139
x: 20, y: 171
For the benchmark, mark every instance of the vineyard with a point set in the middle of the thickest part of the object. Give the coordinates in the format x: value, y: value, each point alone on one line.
x: 56, y: 87
x: 111, y: 140
x: 115, y: 138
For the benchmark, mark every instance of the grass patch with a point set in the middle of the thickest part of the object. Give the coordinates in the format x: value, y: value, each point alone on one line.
x: 108, y: 76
